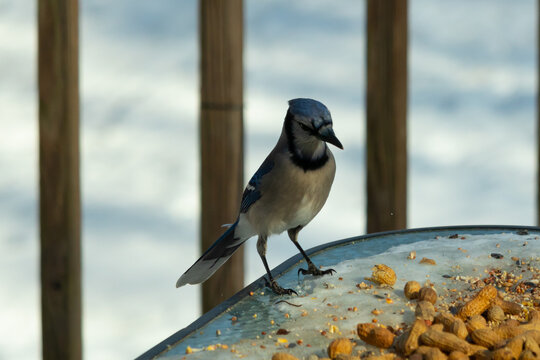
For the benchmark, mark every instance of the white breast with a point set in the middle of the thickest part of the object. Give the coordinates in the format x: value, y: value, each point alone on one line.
x: 302, y: 216
x: 305, y: 212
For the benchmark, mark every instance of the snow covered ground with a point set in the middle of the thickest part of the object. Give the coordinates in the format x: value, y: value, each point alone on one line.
x: 471, y: 143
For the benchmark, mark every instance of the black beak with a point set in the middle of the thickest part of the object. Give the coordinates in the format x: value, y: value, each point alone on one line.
x: 327, y: 135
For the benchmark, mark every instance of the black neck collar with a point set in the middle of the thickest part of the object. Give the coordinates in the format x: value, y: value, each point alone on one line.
x: 306, y: 163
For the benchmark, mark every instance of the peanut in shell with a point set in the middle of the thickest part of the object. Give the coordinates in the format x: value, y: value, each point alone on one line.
x: 377, y: 336
x: 383, y: 275
x: 412, y: 289
x: 486, y: 337
x: 283, y: 356
x: 427, y: 294
x: 480, y: 303
x: 476, y: 322
x: 407, y: 343
x: 339, y: 346
x: 445, y: 341
x: 459, y: 329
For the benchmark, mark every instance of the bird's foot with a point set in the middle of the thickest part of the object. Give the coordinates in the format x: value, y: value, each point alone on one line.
x: 312, y: 270
x: 278, y: 290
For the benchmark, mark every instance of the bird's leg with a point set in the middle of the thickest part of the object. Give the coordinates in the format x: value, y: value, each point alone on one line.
x: 270, y: 282
x: 312, y: 269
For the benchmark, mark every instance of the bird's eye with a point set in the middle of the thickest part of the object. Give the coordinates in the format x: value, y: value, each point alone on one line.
x: 305, y: 127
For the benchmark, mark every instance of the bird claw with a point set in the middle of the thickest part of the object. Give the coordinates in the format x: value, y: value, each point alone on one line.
x: 278, y: 290
x: 312, y: 270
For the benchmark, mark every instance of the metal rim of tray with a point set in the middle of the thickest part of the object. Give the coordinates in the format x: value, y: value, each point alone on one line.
x: 166, y: 344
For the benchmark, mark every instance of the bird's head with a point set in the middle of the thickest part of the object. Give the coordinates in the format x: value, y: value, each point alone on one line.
x: 312, y: 120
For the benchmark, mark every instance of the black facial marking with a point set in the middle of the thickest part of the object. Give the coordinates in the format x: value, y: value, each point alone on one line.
x: 305, y: 163
x: 305, y: 127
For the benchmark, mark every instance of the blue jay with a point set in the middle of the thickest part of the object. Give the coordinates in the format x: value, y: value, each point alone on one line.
x: 287, y: 191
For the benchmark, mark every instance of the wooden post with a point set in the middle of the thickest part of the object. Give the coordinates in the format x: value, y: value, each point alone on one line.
x: 221, y: 136
x: 386, y: 115
x: 59, y: 178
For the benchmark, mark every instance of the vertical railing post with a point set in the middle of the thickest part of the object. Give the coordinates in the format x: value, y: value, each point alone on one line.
x: 221, y: 136
x: 59, y: 178
x: 386, y: 115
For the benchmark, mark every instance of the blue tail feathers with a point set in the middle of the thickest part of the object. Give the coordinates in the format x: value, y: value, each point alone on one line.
x: 213, y: 258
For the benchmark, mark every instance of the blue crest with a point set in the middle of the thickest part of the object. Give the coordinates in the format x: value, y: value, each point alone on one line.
x: 310, y: 109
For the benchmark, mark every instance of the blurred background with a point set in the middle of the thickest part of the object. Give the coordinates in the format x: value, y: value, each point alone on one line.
x: 471, y: 133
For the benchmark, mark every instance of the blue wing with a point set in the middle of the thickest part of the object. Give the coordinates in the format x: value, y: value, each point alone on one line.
x: 252, y: 193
